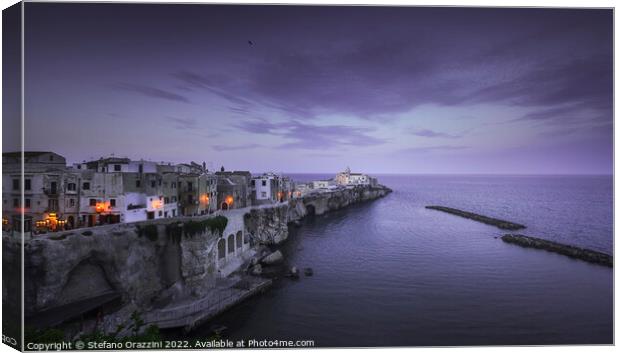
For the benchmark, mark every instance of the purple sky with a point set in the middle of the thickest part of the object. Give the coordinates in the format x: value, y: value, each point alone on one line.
x: 382, y: 90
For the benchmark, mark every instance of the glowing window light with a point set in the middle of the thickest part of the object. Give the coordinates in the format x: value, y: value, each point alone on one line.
x: 229, y: 200
x: 99, y: 207
x: 156, y: 204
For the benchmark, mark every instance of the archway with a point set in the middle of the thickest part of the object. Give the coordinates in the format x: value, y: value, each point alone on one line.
x: 239, y: 239
x: 231, y: 244
x: 224, y: 206
x: 221, y: 249
x: 311, y: 210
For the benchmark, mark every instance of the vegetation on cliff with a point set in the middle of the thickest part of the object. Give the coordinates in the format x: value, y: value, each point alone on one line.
x: 189, y: 229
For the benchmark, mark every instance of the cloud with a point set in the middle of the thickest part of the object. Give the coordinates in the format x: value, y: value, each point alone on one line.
x: 432, y: 134
x: 222, y: 148
x: 547, y: 60
x: 310, y: 136
x: 151, y: 92
x: 219, y: 85
x: 426, y: 149
x: 182, y: 123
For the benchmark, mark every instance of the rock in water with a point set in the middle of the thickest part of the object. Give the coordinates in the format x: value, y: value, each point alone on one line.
x: 308, y: 271
x: 294, y: 273
x: 273, y: 258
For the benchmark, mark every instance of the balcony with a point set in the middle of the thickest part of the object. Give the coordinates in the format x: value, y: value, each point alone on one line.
x: 50, y: 191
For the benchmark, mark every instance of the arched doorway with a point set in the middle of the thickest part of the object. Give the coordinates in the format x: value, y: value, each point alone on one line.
x: 311, y: 211
x: 231, y: 244
x: 239, y: 239
x: 221, y: 249
x: 224, y: 206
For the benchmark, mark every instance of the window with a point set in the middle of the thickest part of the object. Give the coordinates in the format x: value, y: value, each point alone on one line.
x: 51, y: 157
x: 253, y: 182
x: 52, y: 204
x: 15, y: 184
x: 174, y: 199
x: 93, y: 202
x: 190, y: 199
x: 71, y: 186
x: 166, y: 200
x: 85, y: 186
x: 264, y: 182
x: 159, y: 213
x: 140, y: 168
x: 112, y: 202
x: 137, y: 183
x: 152, y: 183
x: 71, y: 202
x: 27, y: 184
x: 189, y: 186
x: 15, y: 202
x: 174, y: 185
x: 117, y: 167
x: 263, y: 194
x: 27, y: 203
x: 53, y: 187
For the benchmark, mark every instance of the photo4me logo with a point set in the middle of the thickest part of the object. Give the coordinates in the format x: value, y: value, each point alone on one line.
x: 9, y: 340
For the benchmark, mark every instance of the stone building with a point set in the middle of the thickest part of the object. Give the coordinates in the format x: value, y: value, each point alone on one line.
x: 233, y: 189
x: 44, y: 182
x: 114, y: 190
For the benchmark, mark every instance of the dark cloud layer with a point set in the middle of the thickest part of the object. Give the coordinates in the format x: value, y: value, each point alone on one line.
x: 368, y: 65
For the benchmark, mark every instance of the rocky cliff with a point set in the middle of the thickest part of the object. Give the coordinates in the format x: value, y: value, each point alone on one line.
x: 150, y: 264
x: 268, y: 225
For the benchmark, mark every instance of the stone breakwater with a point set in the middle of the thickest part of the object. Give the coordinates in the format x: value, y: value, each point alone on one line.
x: 499, y: 223
x: 147, y: 267
x: 567, y: 250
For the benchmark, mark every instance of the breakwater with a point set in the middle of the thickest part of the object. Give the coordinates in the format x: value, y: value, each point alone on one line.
x: 567, y: 250
x: 499, y: 223
x: 95, y: 278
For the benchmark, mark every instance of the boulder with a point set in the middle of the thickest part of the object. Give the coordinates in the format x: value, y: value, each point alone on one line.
x: 257, y: 270
x: 273, y: 258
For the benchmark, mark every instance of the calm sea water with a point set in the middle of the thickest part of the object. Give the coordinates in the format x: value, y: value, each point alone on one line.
x: 390, y: 272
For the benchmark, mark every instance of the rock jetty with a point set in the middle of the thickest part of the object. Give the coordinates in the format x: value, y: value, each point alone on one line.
x: 567, y: 250
x: 499, y: 223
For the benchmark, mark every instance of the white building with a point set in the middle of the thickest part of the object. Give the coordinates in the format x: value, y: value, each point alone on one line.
x: 347, y: 178
x: 270, y: 187
x: 323, y: 184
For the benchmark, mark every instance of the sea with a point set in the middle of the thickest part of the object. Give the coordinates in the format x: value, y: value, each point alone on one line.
x: 392, y: 273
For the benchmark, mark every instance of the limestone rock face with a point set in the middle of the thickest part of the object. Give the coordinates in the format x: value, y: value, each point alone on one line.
x: 71, y: 267
x: 268, y: 225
